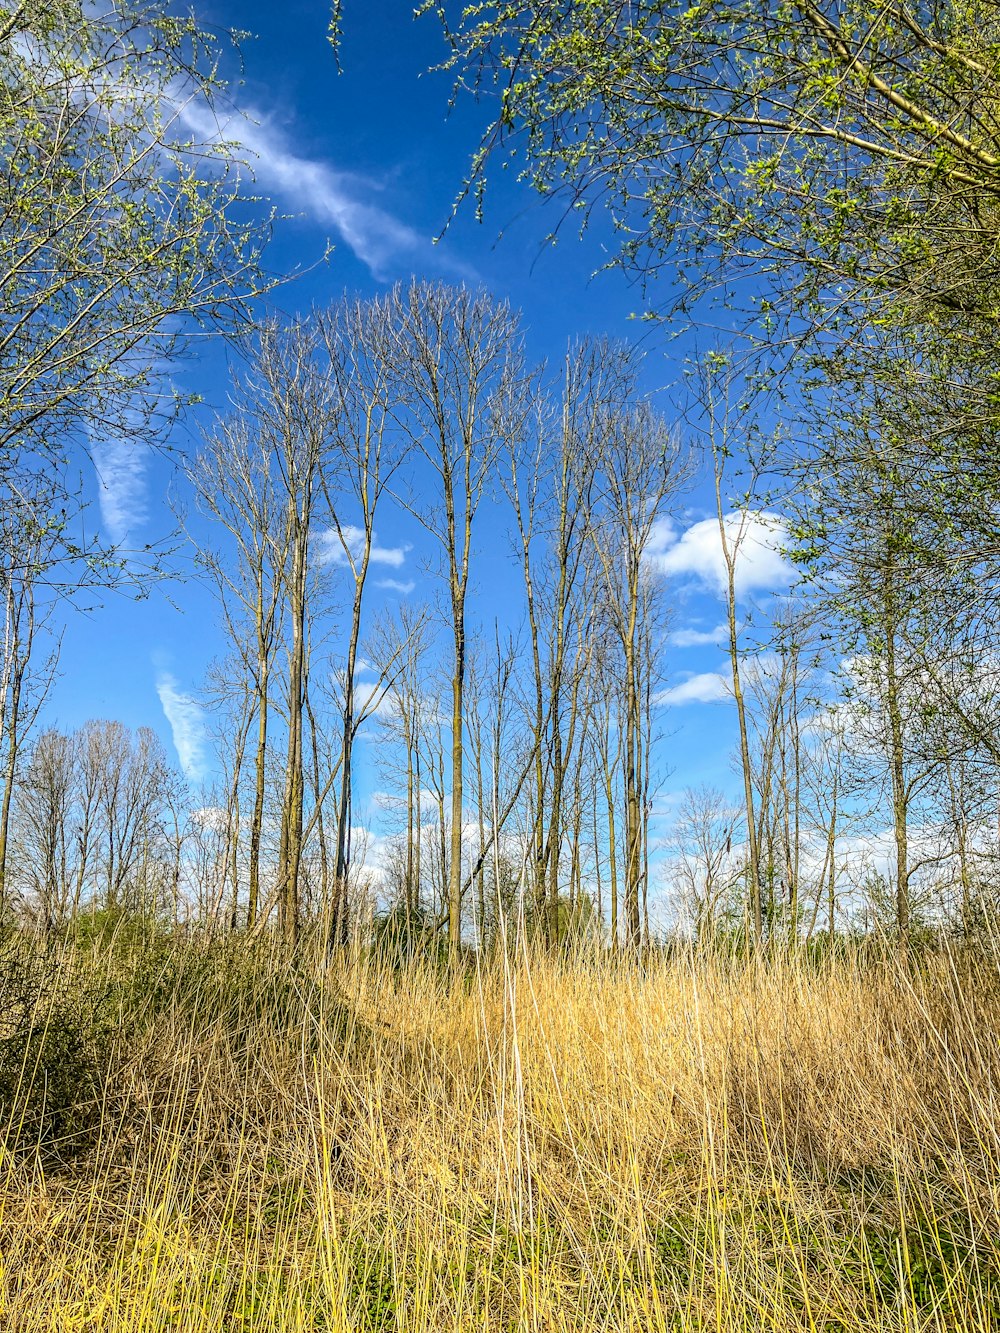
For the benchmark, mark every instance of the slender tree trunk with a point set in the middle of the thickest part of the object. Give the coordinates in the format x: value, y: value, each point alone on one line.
x: 339, y: 924
x: 457, y: 794
x: 633, y: 815
x: 832, y: 869
x: 597, y: 861
x: 292, y: 812
x: 480, y: 859
x: 418, y: 822
x: 257, y: 816
x: 10, y: 770
x: 900, y: 802
x: 554, y: 839
x: 318, y: 818
x: 612, y: 850
x: 753, y: 859
x: 408, y: 887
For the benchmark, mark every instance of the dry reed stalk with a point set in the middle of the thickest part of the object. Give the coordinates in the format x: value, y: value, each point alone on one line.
x: 573, y: 1143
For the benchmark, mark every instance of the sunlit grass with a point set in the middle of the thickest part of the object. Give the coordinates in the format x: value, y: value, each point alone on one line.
x: 534, y: 1144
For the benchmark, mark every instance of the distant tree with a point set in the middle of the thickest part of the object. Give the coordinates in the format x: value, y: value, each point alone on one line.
x: 404, y: 639
x: 725, y: 425
x: 294, y: 411
x: 642, y: 466
x: 707, y: 863
x: 43, y: 824
x: 554, y: 496
x: 237, y: 487
x: 360, y: 342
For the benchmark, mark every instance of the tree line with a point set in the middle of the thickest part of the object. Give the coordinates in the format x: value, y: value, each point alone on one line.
x: 422, y: 399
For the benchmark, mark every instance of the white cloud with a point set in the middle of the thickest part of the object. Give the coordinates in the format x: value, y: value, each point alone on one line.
x: 758, y: 536
x: 211, y: 817
x: 698, y: 638
x: 187, y: 725
x: 707, y: 687
x: 329, y: 197
x: 370, y: 696
x: 397, y: 585
x: 120, y: 466
x: 331, y: 548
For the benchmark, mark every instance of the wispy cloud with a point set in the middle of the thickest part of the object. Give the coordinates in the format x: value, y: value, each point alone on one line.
x: 396, y: 585
x: 756, y: 535
x: 331, y: 549
x: 697, y: 638
x: 327, y: 196
x: 121, y: 466
x: 707, y: 687
x: 186, y: 718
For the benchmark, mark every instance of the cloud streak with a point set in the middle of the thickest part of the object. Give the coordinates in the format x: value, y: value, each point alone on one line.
x: 331, y: 546
x: 120, y: 466
x: 186, y: 719
x: 698, y: 638
x: 397, y: 585
x: 327, y: 196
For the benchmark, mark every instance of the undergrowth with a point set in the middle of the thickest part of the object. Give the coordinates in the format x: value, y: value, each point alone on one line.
x: 207, y: 1135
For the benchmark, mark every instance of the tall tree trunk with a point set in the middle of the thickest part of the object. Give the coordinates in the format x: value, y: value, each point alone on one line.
x: 10, y: 769
x: 900, y: 801
x: 612, y: 850
x: 257, y: 815
x: 292, y: 811
x: 457, y: 757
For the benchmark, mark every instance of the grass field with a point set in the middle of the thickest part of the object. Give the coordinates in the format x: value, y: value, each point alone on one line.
x: 201, y: 1139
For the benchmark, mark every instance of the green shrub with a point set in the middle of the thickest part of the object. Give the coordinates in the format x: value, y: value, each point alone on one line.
x: 57, y: 1031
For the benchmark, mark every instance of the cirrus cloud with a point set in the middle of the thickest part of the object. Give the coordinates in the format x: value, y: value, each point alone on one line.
x: 186, y: 718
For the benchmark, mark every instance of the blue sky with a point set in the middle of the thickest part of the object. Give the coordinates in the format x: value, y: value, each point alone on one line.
x: 370, y: 160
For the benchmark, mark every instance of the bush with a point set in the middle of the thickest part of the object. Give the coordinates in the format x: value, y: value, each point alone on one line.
x: 56, y: 1037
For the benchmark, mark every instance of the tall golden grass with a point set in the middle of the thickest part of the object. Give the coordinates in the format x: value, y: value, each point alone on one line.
x: 536, y: 1143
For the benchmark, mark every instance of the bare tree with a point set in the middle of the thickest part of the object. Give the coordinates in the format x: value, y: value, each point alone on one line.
x: 707, y: 864
x: 642, y: 466
x: 358, y: 340
x: 607, y: 740
x: 552, y: 494
x: 295, y: 409
x: 724, y: 420
x: 403, y: 723
x: 467, y: 404
x: 261, y: 477
x: 235, y: 485
x: 43, y: 826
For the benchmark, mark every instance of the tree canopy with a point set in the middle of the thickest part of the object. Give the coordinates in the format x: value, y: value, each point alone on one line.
x: 845, y: 148
x: 122, y: 218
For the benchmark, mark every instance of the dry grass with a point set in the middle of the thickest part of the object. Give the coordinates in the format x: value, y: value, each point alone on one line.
x: 544, y: 1145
